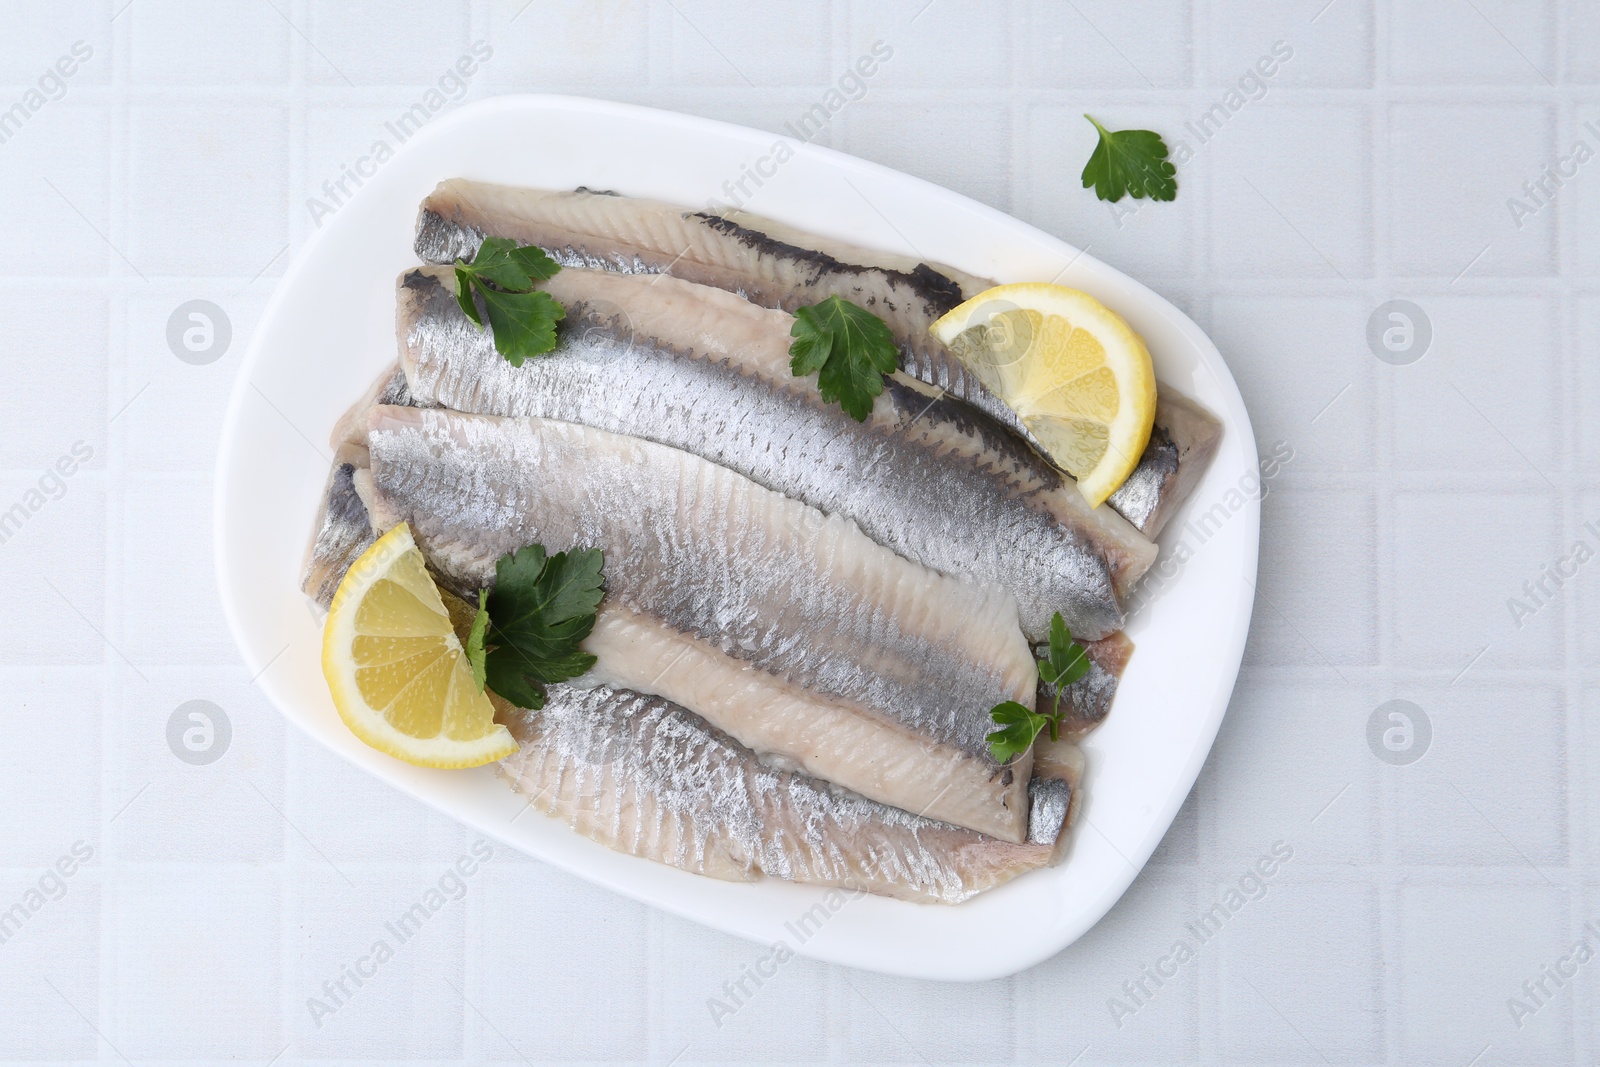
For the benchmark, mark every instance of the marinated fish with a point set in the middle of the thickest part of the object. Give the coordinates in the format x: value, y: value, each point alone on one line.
x: 343, y: 530
x: 702, y: 370
x: 1086, y: 702
x: 645, y: 776
x: 1182, y: 442
x: 778, y: 266
x: 648, y: 777
x: 764, y: 261
x: 787, y: 628
x: 392, y: 388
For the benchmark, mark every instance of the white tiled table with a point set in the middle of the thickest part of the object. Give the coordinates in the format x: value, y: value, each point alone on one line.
x: 1377, y: 164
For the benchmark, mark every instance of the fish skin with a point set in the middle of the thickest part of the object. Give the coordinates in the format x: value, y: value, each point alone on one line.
x: 790, y: 629
x: 762, y: 260
x: 703, y: 370
x: 1050, y: 810
x: 343, y: 530
x: 598, y: 759
x: 778, y: 266
x: 645, y: 776
x: 1086, y: 702
x: 1182, y: 443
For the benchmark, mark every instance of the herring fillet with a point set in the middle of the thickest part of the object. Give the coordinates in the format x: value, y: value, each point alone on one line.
x: 762, y: 260
x: 1086, y: 702
x: 1183, y: 441
x: 703, y: 370
x: 779, y: 266
x: 647, y: 777
x: 789, y: 629
x: 390, y: 387
x: 343, y: 530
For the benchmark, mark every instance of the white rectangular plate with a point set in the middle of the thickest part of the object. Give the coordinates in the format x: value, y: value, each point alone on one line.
x: 329, y: 330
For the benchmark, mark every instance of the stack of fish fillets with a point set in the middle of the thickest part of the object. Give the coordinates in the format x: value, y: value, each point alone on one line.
x: 806, y: 618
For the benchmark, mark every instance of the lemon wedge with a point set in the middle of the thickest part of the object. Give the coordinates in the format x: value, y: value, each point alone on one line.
x: 1074, y: 372
x: 396, y: 668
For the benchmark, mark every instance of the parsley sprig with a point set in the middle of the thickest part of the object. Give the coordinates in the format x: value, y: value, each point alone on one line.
x: 523, y: 318
x: 527, y: 632
x: 848, y: 348
x: 1065, y: 663
x: 1130, y: 161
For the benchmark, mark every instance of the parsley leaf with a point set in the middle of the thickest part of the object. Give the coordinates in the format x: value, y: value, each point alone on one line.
x: 1018, y: 724
x: 524, y: 324
x: 1130, y: 161
x: 480, y: 626
x: 1064, y: 663
x: 522, y: 317
x: 540, y: 611
x: 848, y: 348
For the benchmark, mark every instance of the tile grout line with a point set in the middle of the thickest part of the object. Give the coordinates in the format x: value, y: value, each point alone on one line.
x: 114, y: 498
x: 1390, y: 919
x: 1382, y: 497
x: 1571, y: 517
x: 1577, y: 839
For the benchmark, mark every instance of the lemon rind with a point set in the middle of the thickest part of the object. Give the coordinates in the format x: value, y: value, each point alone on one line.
x: 1128, y: 432
x: 364, y: 721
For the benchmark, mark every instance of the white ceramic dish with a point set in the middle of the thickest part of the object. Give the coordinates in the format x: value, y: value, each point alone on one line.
x: 330, y: 329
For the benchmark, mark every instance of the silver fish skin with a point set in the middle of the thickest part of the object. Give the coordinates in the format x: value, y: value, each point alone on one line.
x: 1182, y: 443
x: 343, y: 529
x: 768, y: 263
x: 787, y: 628
x: 701, y: 369
x: 779, y: 266
x: 1085, y: 703
x: 647, y: 777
